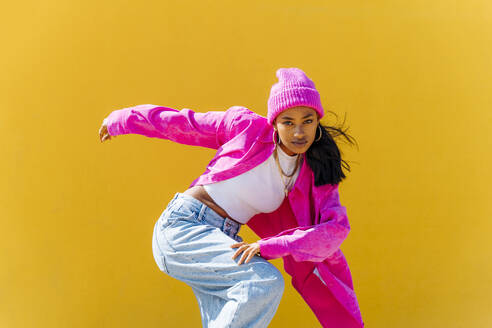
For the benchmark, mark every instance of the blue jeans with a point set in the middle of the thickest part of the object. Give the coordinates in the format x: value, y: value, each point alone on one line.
x: 191, y: 243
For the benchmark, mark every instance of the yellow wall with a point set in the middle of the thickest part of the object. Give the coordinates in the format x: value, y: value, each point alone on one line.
x: 77, y: 216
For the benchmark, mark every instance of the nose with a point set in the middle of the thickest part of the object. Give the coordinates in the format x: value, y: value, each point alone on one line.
x: 299, y: 132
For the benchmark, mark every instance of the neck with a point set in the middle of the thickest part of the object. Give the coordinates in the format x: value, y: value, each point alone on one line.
x: 287, y: 151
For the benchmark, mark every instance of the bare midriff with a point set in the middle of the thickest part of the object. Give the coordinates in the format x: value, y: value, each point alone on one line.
x: 202, y: 195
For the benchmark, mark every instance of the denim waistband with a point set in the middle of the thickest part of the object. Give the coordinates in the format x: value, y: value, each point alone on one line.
x: 206, y: 214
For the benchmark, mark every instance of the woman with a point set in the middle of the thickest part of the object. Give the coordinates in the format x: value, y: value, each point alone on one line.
x: 279, y: 175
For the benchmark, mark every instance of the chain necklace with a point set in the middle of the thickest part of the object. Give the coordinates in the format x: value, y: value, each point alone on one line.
x: 286, y: 191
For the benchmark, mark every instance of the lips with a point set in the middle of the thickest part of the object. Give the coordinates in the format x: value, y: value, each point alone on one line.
x: 299, y: 143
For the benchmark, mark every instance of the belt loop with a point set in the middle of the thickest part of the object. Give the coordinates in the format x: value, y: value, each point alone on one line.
x: 230, y: 227
x: 203, y: 207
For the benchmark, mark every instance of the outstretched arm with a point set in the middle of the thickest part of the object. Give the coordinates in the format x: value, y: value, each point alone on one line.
x: 184, y: 126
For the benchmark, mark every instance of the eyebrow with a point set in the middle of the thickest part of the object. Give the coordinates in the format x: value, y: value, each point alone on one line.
x: 290, y: 118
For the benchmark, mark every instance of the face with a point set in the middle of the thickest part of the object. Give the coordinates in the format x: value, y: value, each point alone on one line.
x: 296, y: 128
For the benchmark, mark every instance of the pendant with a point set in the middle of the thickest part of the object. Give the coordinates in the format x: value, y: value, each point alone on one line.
x: 286, y: 192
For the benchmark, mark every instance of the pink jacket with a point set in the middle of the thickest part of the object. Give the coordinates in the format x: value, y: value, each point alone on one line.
x: 306, y: 230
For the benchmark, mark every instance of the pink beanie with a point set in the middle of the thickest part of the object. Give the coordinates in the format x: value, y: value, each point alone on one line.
x: 293, y: 88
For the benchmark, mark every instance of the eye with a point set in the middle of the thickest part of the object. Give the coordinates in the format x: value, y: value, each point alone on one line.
x: 309, y: 121
x: 287, y: 122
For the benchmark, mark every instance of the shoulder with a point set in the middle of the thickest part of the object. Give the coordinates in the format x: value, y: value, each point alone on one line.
x: 239, y: 117
x: 326, y: 195
x: 326, y: 187
x: 239, y: 113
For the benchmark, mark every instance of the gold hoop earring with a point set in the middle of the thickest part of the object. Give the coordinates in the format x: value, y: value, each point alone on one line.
x: 320, y: 133
x: 274, y: 141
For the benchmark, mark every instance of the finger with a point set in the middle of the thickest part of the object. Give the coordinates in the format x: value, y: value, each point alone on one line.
x: 236, y: 254
x: 237, y: 244
x: 250, y: 256
x: 245, y: 254
x: 239, y: 250
x: 241, y: 259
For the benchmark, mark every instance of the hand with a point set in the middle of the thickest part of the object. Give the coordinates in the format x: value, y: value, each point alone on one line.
x: 249, y: 250
x: 104, y: 134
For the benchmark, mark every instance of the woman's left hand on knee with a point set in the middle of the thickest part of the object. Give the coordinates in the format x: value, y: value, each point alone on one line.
x: 249, y: 250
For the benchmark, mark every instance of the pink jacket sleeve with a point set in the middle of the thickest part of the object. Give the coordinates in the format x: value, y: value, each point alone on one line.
x: 183, y: 126
x: 315, y: 242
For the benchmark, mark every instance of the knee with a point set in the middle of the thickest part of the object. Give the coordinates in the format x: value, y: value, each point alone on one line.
x: 278, y: 285
x: 277, y: 276
x: 273, y: 282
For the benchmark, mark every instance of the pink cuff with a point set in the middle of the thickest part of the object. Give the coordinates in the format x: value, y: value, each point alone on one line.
x: 273, y: 247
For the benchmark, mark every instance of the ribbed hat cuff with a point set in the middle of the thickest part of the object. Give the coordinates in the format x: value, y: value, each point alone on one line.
x: 294, y: 97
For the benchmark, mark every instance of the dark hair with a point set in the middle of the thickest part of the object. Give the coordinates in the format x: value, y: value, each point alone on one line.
x: 324, y: 156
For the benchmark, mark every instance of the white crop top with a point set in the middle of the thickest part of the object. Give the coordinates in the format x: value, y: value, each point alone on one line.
x: 259, y: 190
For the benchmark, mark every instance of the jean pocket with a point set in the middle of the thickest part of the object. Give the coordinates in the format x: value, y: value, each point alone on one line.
x: 180, y: 211
x: 170, y: 214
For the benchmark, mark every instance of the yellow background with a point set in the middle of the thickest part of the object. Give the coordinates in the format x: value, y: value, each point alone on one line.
x: 413, y: 79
